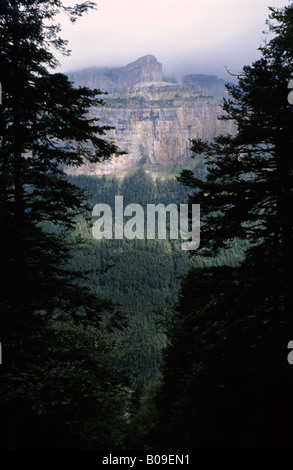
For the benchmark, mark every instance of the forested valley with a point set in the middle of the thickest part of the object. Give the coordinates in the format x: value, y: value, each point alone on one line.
x: 121, y: 344
x: 143, y: 275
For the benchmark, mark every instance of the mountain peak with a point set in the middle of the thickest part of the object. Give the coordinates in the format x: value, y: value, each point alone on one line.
x: 144, y: 69
x: 149, y: 58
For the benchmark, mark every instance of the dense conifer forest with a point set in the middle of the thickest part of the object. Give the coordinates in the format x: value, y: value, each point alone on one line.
x: 143, y: 275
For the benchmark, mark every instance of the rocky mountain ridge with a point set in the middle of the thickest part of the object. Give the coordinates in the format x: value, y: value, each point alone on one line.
x: 154, y: 117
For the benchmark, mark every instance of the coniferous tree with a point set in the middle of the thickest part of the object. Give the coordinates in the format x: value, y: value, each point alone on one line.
x: 227, y: 382
x: 44, y: 128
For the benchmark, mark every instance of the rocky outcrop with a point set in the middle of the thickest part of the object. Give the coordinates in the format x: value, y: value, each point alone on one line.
x: 144, y: 70
x: 154, y: 119
x: 116, y: 80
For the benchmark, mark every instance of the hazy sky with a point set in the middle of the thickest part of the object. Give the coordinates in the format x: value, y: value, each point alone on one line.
x: 195, y: 36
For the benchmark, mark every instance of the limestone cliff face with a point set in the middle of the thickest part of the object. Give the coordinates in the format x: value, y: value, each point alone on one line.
x: 153, y: 119
x: 146, y: 69
x: 116, y: 80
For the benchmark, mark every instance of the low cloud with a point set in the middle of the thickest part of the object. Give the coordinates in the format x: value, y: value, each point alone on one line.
x: 192, y: 36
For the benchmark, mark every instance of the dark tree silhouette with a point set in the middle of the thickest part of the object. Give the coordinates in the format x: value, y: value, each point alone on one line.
x: 48, y: 382
x: 227, y: 382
